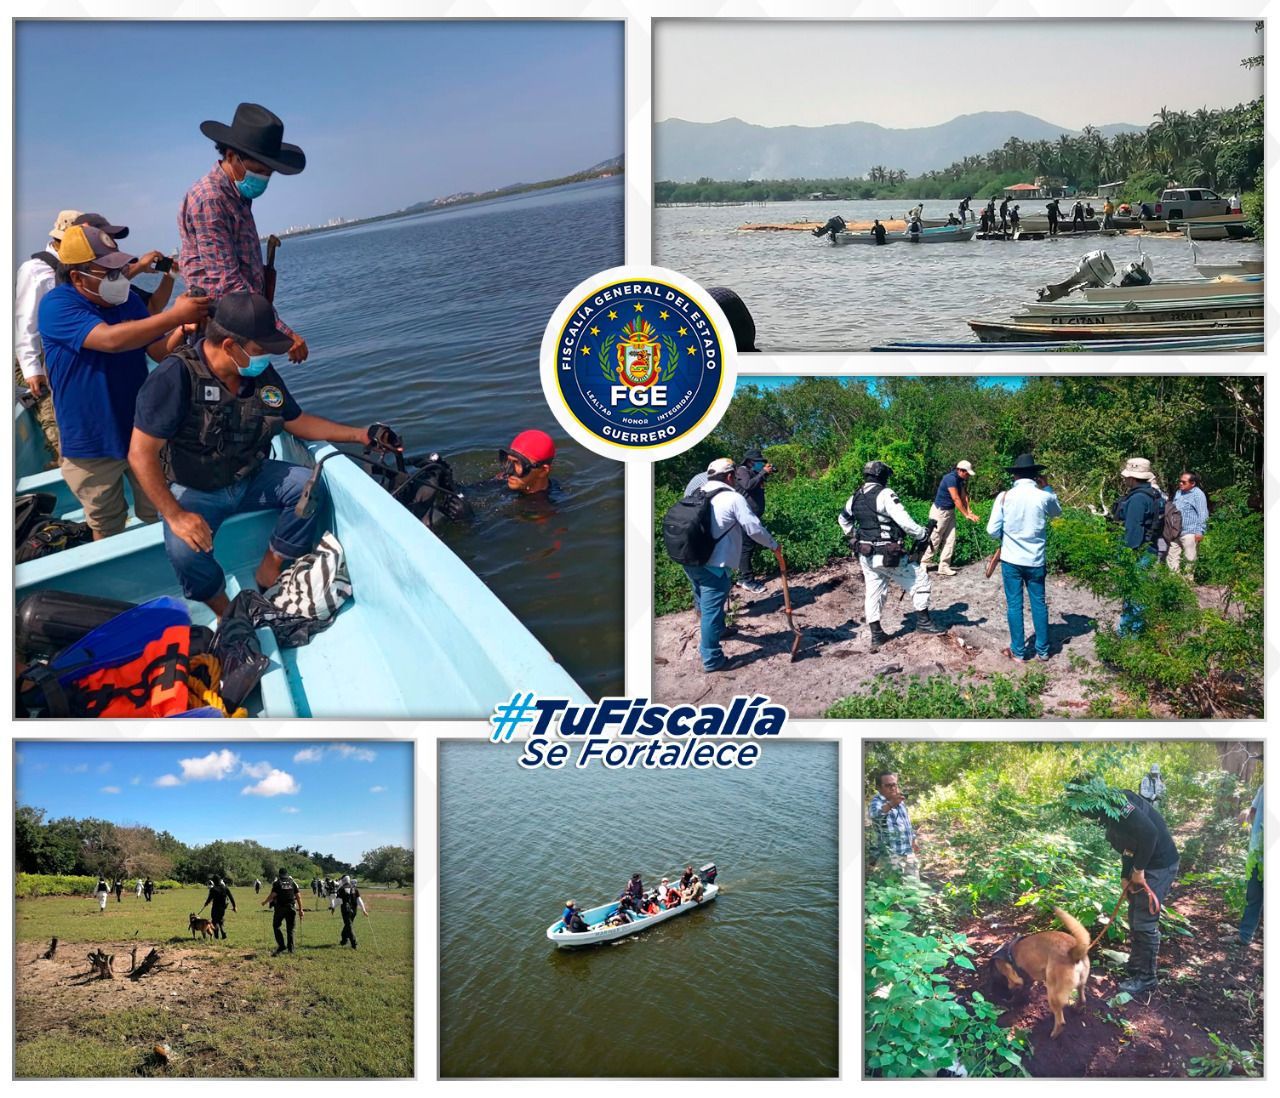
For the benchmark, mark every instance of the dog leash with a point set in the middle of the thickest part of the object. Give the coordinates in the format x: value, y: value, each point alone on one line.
x: 1153, y: 907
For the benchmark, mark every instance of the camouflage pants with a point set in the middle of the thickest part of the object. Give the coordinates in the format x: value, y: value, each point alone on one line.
x: 44, y: 413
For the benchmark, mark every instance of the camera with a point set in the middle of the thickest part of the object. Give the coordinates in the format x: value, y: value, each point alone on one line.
x: 164, y: 264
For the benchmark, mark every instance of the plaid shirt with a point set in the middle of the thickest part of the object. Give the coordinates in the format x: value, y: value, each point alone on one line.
x: 893, y: 831
x: 220, y: 252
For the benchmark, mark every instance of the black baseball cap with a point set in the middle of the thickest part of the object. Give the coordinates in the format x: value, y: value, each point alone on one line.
x: 251, y: 319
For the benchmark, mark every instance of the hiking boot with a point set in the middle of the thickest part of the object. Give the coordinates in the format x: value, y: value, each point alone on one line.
x: 1138, y: 985
x: 277, y: 951
x: 878, y: 635
x: 947, y: 570
x: 747, y: 583
x: 926, y: 624
x: 1142, y: 969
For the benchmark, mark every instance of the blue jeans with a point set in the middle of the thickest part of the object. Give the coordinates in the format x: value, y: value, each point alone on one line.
x: 277, y: 485
x: 1252, y: 908
x: 1014, y: 577
x: 710, y: 592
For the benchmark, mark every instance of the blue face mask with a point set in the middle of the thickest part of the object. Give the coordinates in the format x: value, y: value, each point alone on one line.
x: 256, y: 365
x: 757, y: 465
x: 252, y: 185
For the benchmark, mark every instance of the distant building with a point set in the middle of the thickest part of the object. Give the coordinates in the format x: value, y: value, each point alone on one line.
x: 1045, y: 186
x: 822, y: 196
x: 1110, y: 190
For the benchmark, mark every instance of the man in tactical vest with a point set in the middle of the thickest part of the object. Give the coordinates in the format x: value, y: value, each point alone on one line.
x: 285, y: 899
x: 202, y: 435
x: 219, y: 896
x: 350, y: 902
x: 875, y: 524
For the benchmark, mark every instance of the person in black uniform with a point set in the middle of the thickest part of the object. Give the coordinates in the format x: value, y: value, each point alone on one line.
x: 257, y: 886
x: 219, y: 896
x: 148, y: 888
x: 1148, y: 866
x: 351, y: 904
x: 748, y: 479
x: 286, y: 904
x: 118, y: 889
x: 1055, y: 212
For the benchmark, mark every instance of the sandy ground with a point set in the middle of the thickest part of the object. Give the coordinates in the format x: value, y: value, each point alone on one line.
x: 1206, y: 985
x: 833, y: 660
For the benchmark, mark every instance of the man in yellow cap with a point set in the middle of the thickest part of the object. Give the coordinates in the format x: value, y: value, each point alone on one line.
x: 96, y: 334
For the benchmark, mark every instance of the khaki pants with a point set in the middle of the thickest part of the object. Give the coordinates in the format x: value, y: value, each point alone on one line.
x: 906, y: 865
x: 98, y: 483
x: 1185, y: 546
x: 44, y: 413
x: 944, y: 535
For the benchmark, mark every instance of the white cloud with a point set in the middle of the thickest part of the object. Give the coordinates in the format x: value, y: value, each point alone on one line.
x: 166, y: 780
x: 273, y: 785
x: 103, y: 767
x: 291, y: 810
x: 136, y: 779
x: 309, y: 755
x: 109, y: 789
x: 255, y: 770
x: 350, y: 751
x: 212, y: 767
x: 377, y: 789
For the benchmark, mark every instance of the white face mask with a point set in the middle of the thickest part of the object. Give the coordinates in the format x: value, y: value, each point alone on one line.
x: 114, y: 291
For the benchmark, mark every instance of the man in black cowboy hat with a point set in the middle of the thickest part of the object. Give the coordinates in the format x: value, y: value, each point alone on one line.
x: 748, y: 479
x: 220, y: 251
x: 1020, y: 520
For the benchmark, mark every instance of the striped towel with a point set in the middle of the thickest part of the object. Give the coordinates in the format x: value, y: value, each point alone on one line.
x: 315, y: 585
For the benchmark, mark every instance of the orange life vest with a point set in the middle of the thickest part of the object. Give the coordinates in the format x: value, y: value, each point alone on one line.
x: 153, y: 684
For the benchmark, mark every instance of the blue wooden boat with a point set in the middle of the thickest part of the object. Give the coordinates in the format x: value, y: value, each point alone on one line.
x: 1216, y: 344
x: 599, y: 932
x: 422, y: 636
x: 945, y: 234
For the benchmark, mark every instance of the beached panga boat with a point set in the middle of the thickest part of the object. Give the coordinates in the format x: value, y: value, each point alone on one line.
x: 1222, y: 307
x: 595, y: 918
x: 942, y: 235
x: 421, y: 636
x: 1028, y: 329
x: 1246, y: 341
x: 1215, y: 270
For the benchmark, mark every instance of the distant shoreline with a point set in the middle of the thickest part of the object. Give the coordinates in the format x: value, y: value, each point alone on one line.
x: 610, y: 171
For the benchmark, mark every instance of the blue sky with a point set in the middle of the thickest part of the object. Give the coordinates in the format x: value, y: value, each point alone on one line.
x: 388, y: 114
x: 338, y: 798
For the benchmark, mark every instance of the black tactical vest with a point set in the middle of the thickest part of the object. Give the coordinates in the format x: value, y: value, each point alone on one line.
x: 286, y: 894
x: 225, y: 436
x: 873, y: 526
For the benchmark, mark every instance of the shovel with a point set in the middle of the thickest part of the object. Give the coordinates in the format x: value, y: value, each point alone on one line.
x: 786, y: 602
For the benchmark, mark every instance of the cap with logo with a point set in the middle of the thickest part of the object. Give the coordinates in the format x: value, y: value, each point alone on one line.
x: 251, y: 319
x: 87, y: 244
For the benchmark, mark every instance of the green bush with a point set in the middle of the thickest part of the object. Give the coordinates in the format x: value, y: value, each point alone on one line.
x: 31, y: 885
x: 913, y: 1023
x: 1231, y: 553
x: 941, y: 697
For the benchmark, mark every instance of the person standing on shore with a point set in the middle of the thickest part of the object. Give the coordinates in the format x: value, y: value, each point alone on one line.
x: 1192, y: 504
x: 749, y: 478
x: 220, y: 252
x: 1020, y: 521
x: 102, y: 892
x: 1004, y: 216
x: 952, y: 496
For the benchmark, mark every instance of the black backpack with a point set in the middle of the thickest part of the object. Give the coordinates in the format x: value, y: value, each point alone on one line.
x: 1171, y: 523
x: 52, y: 535
x: 686, y: 529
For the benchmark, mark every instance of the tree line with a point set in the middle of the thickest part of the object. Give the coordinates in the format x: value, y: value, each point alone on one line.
x: 94, y: 847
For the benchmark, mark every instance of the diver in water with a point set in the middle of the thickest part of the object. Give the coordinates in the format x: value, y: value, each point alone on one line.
x: 526, y: 463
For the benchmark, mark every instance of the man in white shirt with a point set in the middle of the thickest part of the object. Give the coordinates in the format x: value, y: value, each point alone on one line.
x: 1020, y: 520
x: 730, y: 519
x: 1151, y: 788
x: 34, y: 279
x: 875, y: 523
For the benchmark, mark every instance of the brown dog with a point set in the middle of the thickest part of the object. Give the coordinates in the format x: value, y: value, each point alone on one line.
x: 1059, y: 961
x: 204, y: 926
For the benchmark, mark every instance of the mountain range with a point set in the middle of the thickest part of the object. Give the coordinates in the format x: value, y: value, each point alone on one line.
x: 735, y: 150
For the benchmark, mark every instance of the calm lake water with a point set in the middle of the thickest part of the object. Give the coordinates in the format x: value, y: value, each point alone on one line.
x: 746, y: 986
x: 806, y: 295
x: 433, y: 323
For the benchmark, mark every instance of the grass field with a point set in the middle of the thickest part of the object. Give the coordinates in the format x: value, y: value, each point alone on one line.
x: 225, y: 1008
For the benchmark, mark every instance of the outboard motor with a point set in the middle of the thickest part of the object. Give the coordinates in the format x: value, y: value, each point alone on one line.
x: 708, y: 873
x: 1135, y: 274
x: 1095, y: 269
x: 836, y: 224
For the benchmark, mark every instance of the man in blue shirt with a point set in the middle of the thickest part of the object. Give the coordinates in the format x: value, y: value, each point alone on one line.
x: 1141, y: 512
x: 97, y: 333
x: 1020, y: 520
x: 896, y: 845
x: 952, y: 496
x: 204, y: 424
x: 1191, y: 503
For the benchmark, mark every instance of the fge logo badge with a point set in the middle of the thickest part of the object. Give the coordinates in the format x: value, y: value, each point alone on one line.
x: 637, y: 363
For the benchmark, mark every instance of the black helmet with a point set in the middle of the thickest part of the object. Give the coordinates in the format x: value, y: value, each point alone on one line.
x: 877, y: 471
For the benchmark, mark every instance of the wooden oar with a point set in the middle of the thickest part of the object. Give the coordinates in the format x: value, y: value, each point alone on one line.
x: 786, y: 602
x: 991, y: 564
